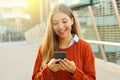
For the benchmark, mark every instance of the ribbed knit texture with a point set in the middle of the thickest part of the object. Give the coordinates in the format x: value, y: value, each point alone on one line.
x: 81, y: 54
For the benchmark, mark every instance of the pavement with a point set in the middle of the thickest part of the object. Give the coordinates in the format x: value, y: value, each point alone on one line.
x: 17, y: 61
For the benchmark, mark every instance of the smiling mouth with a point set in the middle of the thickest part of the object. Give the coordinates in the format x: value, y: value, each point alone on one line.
x: 62, y: 32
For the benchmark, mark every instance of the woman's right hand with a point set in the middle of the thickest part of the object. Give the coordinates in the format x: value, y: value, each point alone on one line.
x: 53, y: 66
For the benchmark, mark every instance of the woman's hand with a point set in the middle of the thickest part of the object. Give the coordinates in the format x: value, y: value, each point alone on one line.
x: 53, y: 66
x: 67, y: 65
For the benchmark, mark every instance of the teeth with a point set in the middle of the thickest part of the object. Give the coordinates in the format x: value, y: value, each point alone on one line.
x: 61, y: 31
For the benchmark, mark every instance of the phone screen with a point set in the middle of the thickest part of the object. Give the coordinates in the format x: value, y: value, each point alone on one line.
x: 59, y: 54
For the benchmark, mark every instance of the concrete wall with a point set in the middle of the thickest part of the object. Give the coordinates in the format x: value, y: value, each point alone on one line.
x: 108, y: 66
x: 35, y: 34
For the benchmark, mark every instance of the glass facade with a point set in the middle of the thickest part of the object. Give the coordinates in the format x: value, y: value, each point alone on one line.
x: 96, y: 1
x: 84, y: 1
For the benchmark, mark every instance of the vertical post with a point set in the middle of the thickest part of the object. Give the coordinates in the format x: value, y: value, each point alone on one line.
x: 0, y: 37
x: 96, y: 31
x: 9, y: 37
x: 47, y: 8
x: 93, y: 21
x: 41, y: 12
x: 80, y: 32
x: 79, y: 28
x: 116, y: 11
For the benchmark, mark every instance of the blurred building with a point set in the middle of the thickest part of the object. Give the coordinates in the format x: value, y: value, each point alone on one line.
x: 74, y: 3
x: 44, y: 9
x: 12, y: 17
x: 12, y: 13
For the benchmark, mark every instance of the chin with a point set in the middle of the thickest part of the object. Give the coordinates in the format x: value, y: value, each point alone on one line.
x: 63, y: 36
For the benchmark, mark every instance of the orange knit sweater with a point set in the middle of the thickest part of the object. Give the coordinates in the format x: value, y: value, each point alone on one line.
x: 81, y: 53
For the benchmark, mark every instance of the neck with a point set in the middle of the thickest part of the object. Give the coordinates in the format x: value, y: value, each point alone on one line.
x: 64, y: 42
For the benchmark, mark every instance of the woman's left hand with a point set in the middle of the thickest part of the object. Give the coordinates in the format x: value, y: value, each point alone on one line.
x: 67, y: 65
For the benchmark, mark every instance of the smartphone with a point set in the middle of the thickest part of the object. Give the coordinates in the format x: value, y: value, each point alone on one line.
x: 59, y: 54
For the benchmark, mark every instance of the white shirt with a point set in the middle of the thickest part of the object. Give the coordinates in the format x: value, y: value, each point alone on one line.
x: 73, y: 40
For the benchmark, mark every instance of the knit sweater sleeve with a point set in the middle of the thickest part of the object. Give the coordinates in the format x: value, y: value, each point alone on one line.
x: 88, y: 72
x: 44, y: 74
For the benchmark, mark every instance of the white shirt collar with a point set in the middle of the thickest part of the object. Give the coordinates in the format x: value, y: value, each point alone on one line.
x: 73, y: 40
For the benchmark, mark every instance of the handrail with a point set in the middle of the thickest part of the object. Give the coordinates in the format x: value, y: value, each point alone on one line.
x: 104, y: 42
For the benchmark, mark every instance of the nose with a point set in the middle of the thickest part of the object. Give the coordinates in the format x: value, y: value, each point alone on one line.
x: 60, y: 25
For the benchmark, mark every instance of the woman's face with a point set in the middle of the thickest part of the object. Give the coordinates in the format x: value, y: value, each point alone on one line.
x: 62, y: 24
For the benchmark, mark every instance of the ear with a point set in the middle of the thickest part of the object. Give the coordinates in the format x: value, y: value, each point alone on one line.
x: 72, y: 21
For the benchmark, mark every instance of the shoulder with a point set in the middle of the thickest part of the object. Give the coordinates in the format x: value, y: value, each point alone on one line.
x: 85, y: 47
x: 83, y: 42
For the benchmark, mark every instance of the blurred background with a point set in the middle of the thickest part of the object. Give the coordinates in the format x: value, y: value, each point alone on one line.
x: 16, y: 17
x: 23, y: 24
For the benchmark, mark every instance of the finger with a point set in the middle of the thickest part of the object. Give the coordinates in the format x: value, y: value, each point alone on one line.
x: 69, y: 62
x: 72, y: 62
x: 57, y: 61
x: 69, y: 65
x: 57, y: 68
x: 52, y: 60
x: 63, y: 64
x: 62, y: 68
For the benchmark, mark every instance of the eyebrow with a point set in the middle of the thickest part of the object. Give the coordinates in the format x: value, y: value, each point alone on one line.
x: 54, y: 20
x: 64, y: 19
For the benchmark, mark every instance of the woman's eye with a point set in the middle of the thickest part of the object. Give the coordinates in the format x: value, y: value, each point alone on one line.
x: 55, y: 23
x: 64, y: 21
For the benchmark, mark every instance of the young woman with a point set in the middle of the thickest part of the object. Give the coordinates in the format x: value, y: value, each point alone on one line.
x: 62, y: 35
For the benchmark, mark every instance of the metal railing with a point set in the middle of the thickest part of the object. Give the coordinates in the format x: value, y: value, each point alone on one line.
x: 112, y: 50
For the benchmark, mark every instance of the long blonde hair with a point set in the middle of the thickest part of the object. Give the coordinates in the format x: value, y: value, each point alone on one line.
x: 50, y: 41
